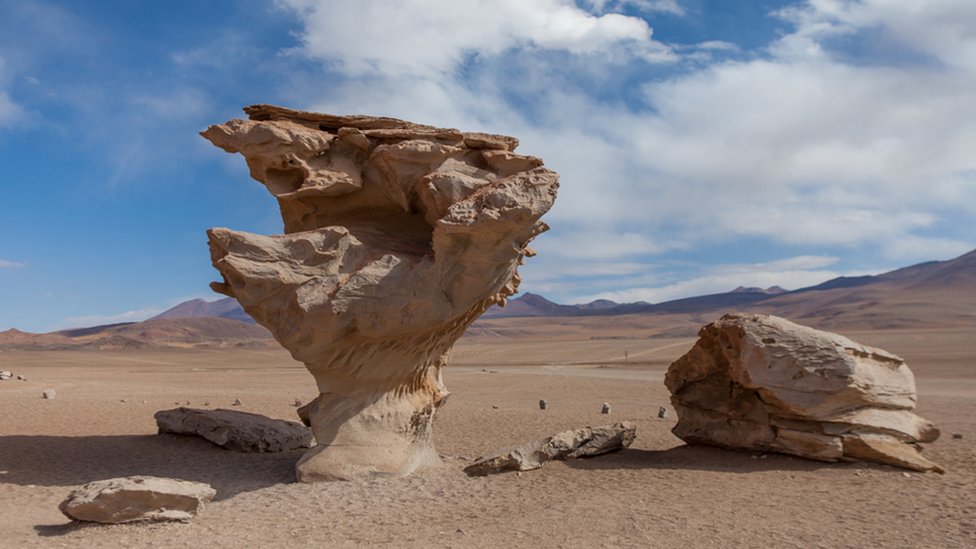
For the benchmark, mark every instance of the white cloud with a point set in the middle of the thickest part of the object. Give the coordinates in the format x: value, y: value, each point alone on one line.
x: 10, y: 112
x: 422, y: 37
x: 813, y: 142
x: 99, y: 320
x: 646, y: 6
x: 7, y: 264
x: 791, y: 273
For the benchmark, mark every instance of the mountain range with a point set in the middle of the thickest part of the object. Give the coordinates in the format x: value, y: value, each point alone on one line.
x: 927, y: 295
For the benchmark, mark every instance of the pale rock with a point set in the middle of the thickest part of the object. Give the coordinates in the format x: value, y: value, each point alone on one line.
x: 137, y: 498
x: 605, y: 409
x: 397, y: 237
x: 586, y: 442
x: 233, y: 430
x: 760, y: 382
x: 5, y: 375
x: 48, y: 394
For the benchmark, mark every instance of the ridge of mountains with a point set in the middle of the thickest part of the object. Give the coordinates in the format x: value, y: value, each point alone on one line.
x: 927, y: 295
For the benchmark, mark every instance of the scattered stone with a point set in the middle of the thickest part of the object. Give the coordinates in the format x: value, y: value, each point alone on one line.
x: 22, y: 378
x: 605, y: 409
x: 662, y: 412
x: 760, y: 382
x: 957, y: 435
x: 237, y: 402
x: 238, y: 431
x: 187, y: 403
x: 397, y: 236
x: 48, y: 394
x: 206, y: 403
x: 494, y: 407
x: 5, y: 375
x: 124, y: 400
x: 137, y: 498
x: 586, y: 442
x: 297, y: 403
x: 543, y: 404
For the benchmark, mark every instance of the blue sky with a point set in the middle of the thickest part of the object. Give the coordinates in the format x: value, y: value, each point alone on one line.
x: 702, y: 144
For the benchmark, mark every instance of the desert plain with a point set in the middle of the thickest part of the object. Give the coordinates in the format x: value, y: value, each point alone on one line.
x: 657, y: 493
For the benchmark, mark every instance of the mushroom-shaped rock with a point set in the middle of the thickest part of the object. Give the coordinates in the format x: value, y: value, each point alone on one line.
x: 137, y: 498
x: 761, y: 382
x: 397, y: 237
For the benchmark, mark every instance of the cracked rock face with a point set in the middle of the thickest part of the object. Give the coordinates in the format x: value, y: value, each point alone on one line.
x: 396, y: 237
x: 760, y: 382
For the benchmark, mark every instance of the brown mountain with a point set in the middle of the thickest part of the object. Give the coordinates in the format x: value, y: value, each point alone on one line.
x: 199, y: 308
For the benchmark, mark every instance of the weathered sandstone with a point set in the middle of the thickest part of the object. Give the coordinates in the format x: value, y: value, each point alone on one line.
x: 237, y: 431
x: 397, y: 237
x: 137, y: 498
x: 585, y: 442
x: 760, y: 382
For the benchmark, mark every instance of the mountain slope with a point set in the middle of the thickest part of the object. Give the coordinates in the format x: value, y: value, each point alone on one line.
x: 199, y: 308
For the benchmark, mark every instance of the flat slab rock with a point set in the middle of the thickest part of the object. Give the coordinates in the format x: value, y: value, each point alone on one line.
x: 137, y: 499
x: 585, y: 442
x: 237, y: 431
x: 760, y: 382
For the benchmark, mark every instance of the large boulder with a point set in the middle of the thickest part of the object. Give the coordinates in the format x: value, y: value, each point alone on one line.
x: 760, y: 382
x: 585, y: 442
x: 238, y: 431
x: 397, y: 237
x: 137, y: 498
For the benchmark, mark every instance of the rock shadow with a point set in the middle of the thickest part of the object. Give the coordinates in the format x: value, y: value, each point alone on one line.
x: 73, y: 461
x: 705, y: 458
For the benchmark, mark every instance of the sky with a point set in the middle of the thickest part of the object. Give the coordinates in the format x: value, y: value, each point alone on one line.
x: 701, y: 144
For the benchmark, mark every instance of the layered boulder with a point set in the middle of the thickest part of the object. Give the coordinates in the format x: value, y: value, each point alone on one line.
x: 237, y: 431
x: 760, y: 382
x: 397, y: 237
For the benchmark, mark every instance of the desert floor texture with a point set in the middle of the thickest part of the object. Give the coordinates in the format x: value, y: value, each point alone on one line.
x: 658, y: 493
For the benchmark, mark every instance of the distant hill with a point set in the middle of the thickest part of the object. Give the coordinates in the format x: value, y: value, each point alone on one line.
x: 931, y: 294
x: 161, y: 333
x: 199, y: 308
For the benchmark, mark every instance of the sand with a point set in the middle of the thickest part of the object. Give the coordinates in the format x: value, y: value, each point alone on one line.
x: 658, y: 493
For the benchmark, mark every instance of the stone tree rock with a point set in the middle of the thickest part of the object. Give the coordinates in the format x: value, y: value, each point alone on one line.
x: 760, y: 382
x: 137, y: 498
x: 237, y: 431
x: 397, y: 237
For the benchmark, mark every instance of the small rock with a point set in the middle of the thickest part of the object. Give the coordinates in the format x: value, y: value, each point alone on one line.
x: 49, y: 394
x: 124, y: 400
x: 543, y: 404
x: 22, y: 378
x: 237, y: 402
x: 494, y: 407
x: 957, y: 435
x: 187, y: 403
x: 4, y: 375
x: 662, y: 412
x: 297, y: 403
x: 137, y: 498
x: 906, y: 475
x: 462, y: 532
x: 207, y: 403
x: 586, y: 442
x: 605, y: 409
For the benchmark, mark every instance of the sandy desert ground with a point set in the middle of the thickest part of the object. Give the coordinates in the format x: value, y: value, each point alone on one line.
x: 658, y: 493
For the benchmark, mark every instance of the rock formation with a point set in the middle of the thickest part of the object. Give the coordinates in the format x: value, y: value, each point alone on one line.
x: 137, y: 498
x: 237, y: 431
x: 760, y: 382
x: 397, y: 237
x: 585, y: 442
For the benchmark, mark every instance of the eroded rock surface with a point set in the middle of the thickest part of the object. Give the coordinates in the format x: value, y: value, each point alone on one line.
x: 585, y: 442
x: 397, y: 237
x: 137, y: 498
x: 237, y: 431
x: 760, y: 382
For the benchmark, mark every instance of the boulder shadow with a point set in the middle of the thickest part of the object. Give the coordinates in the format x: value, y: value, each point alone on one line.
x: 704, y: 458
x: 73, y: 461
